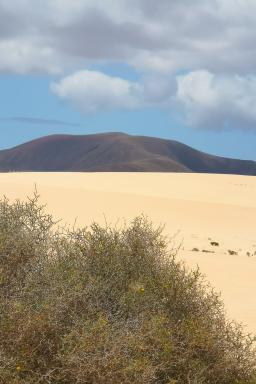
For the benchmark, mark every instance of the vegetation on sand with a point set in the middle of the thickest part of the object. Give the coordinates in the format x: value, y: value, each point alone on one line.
x: 108, y: 305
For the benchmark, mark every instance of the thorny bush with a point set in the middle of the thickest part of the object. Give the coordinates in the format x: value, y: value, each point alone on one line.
x: 108, y: 305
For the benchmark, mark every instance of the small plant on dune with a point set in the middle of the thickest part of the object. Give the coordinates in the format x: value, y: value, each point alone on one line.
x: 108, y: 305
x: 230, y: 252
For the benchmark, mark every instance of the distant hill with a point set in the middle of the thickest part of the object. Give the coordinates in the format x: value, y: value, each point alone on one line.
x: 115, y: 152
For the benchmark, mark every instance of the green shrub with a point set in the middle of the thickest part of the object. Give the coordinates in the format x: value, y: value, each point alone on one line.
x: 108, y: 305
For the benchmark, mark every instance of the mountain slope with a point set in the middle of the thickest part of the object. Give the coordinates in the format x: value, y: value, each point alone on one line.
x: 115, y: 152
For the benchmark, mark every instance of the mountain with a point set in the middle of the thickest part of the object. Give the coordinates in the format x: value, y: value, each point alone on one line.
x: 116, y: 152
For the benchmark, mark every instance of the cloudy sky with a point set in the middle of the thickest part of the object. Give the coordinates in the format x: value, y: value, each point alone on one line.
x: 182, y: 69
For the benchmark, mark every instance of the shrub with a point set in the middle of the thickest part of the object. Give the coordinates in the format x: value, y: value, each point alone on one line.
x: 108, y: 305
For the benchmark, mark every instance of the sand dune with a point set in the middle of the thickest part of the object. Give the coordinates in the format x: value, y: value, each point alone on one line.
x: 199, y: 208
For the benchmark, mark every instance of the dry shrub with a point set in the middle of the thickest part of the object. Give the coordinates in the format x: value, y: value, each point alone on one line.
x: 108, y: 305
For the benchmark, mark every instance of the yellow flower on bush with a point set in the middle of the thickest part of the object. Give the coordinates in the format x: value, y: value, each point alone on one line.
x: 18, y: 368
x: 137, y: 287
x: 103, y: 321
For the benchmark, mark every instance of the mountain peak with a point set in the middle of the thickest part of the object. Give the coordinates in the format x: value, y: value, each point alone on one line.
x: 115, y: 152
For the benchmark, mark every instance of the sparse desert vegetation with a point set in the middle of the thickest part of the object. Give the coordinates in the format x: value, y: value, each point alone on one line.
x: 207, y: 251
x: 232, y: 253
x: 108, y: 305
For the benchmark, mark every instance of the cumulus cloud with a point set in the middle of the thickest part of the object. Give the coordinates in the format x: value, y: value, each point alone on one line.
x: 21, y: 57
x: 93, y: 91
x: 206, y: 100
x: 218, y: 102
x: 159, y: 39
x: 159, y: 36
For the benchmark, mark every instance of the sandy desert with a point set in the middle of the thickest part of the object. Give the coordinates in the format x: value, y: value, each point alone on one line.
x: 199, y: 209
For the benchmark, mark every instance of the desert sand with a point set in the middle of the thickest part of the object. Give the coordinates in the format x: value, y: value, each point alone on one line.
x: 198, y: 208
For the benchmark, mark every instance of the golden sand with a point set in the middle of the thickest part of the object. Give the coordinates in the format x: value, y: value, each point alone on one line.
x: 200, y: 208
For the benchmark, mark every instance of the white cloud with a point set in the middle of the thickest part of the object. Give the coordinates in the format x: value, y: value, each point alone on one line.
x: 23, y: 57
x: 93, y: 91
x: 161, y: 36
x: 206, y: 100
x: 157, y: 38
x: 218, y: 102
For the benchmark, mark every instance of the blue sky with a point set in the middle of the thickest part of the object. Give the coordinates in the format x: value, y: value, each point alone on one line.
x: 99, y: 66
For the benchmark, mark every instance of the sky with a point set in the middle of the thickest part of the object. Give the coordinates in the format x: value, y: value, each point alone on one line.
x: 182, y: 70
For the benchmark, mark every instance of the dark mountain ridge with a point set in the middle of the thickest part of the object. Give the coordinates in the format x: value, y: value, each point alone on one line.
x: 115, y: 152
